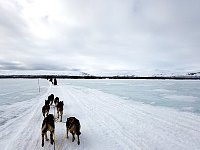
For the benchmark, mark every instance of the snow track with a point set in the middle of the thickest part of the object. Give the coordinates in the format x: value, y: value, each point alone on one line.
x: 107, y: 122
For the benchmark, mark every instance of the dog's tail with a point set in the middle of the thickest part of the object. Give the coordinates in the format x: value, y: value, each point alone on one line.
x: 43, y: 129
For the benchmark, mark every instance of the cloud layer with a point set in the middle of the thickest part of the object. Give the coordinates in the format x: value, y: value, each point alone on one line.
x: 100, y: 35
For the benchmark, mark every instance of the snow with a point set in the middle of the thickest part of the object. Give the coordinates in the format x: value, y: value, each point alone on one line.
x: 107, y: 122
x: 145, y: 73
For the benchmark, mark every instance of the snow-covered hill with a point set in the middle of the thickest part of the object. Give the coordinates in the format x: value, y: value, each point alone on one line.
x: 121, y: 73
x: 147, y: 73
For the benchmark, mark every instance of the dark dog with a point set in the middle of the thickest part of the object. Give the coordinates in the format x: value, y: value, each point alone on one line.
x: 50, y: 99
x: 48, y: 125
x: 60, y: 109
x: 47, y: 102
x: 73, y: 126
x: 46, y: 108
x: 56, y: 101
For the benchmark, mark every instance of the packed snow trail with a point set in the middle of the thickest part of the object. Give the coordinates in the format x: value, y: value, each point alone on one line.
x: 107, y: 122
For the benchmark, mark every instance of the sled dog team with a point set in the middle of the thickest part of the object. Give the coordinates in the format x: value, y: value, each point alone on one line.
x: 72, y: 124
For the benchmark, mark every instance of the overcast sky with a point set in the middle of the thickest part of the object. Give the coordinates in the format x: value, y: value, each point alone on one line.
x: 99, y: 35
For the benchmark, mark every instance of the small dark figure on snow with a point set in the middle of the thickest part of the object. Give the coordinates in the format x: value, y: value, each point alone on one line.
x: 51, y: 80
x: 50, y: 99
x: 55, y: 82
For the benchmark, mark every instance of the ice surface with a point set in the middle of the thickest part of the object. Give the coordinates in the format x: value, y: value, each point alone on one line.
x: 16, y: 90
x: 182, y: 98
x: 178, y: 94
x: 13, y: 91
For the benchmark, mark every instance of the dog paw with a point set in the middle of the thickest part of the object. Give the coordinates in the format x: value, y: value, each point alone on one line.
x: 78, y: 143
x: 52, y: 142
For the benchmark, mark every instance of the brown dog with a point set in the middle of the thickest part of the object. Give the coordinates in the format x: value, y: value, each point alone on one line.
x: 56, y: 101
x: 46, y: 108
x: 60, y: 109
x: 73, y: 126
x: 48, y: 125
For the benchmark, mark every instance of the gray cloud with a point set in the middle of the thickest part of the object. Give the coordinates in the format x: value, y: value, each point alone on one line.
x: 11, y: 66
x: 100, y: 35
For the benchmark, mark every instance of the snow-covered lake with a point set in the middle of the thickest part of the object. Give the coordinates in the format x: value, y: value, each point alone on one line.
x: 114, y: 114
x: 16, y: 90
x: 183, y: 95
x: 13, y: 91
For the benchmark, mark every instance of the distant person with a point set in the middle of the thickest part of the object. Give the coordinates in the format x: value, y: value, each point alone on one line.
x: 51, y: 80
x: 55, y: 82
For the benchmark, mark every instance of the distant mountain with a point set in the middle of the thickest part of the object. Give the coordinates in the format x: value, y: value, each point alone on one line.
x: 194, y: 74
x: 113, y: 73
x: 155, y: 73
x: 179, y: 74
x: 122, y: 73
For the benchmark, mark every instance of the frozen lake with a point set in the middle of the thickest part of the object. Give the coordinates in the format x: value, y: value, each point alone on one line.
x: 183, y: 95
x: 114, y: 114
x: 16, y: 90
